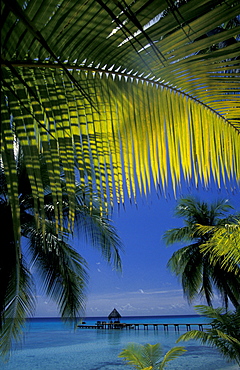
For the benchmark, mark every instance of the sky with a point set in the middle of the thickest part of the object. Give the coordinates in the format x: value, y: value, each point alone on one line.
x: 145, y: 286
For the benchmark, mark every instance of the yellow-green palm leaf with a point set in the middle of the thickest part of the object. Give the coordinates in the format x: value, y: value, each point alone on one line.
x: 149, y: 356
x: 224, y: 245
x: 128, y: 90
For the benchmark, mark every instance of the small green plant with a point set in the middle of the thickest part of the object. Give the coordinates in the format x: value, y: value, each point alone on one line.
x: 149, y: 356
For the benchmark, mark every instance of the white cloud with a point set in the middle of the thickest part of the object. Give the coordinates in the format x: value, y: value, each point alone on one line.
x: 131, y: 303
x: 127, y: 308
x: 141, y: 302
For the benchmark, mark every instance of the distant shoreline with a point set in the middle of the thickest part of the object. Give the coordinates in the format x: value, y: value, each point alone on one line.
x: 101, y: 318
x: 104, y: 317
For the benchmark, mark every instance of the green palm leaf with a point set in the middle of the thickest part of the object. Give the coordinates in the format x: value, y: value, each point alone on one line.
x: 224, y: 334
x: 132, y: 354
x: 90, y: 221
x: 152, y: 354
x: 77, y: 83
x: 224, y: 245
x: 172, y: 354
x: 19, y: 300
x: 149, y: 355
x: 178, y: 235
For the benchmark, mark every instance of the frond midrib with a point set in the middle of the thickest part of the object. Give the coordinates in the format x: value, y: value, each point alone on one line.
x: 129, y: 75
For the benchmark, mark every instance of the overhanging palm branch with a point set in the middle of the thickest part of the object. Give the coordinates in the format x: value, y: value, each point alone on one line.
x: 135, y: 90
x: 224, y: 334
x: 61, y: 269
x: 97, y: 228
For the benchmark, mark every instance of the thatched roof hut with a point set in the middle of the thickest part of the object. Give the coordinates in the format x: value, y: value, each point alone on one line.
x: 114, y: 315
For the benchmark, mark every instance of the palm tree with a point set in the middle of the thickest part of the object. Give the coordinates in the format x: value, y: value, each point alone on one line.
x: 224, y: 334
x: 198, y: 274
x: 59, y: 266
x: 149, y: 356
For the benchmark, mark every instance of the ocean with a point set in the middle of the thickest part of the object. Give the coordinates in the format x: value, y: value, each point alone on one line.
x: 49, y: 344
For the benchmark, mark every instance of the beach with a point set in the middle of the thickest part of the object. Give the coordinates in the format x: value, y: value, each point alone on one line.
x: 49, y: 344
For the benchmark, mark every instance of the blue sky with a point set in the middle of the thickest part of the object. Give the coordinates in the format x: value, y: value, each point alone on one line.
x: 146, y: 286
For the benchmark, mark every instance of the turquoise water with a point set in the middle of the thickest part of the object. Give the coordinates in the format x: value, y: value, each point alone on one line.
x: 51, y: 345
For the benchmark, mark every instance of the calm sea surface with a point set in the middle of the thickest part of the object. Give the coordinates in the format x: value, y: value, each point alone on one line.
x: 49, y: 344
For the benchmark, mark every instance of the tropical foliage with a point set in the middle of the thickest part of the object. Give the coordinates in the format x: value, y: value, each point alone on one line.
x: 149, y: 356
x: 224, y: 245
x: 197, y: 271
x: 48, y: 256
x: 115, y: 95
x: 223, y: 335
x: 131, y: 90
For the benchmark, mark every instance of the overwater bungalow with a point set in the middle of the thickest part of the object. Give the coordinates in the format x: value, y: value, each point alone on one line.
x: 114, y: 315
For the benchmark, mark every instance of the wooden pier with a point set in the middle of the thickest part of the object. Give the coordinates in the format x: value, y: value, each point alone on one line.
x: 104, y: 325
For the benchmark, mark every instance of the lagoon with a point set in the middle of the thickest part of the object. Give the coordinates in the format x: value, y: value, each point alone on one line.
x: 49, y: 344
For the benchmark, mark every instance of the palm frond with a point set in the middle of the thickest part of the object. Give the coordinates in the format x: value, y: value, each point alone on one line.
x: 206, y: 289
x: 7, y: 164
x: 132, y: 354
x: 19, y: 303
x: 98, y: 229
x: 17, y: 288
x: 149, y: 355
x: 214, y: 313
x: 227, y: 345
x: 119, y: 87
x: 180, y: 234
x: 186, y: 263
x: 204, y: 337
x: 223, y: 247
x: 62, y: 270
x: 172, y: 354
x: 152, y: 354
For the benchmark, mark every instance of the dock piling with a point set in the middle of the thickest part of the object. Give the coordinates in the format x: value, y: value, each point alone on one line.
x: 105, y: 325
